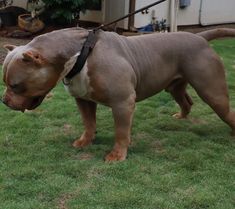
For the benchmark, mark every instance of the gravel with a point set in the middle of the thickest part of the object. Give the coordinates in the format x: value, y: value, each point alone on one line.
x: 12, y: 41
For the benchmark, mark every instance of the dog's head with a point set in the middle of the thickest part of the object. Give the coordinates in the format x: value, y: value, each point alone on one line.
x: 28, y: 77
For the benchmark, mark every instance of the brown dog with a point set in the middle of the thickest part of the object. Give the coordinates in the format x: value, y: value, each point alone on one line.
x: 119, y: 71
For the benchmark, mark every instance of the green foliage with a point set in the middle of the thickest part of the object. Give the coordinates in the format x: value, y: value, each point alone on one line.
x: 66, y: 11
x: 172, y: 164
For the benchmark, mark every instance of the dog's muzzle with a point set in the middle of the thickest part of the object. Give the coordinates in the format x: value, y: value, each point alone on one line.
x: 23, y: 104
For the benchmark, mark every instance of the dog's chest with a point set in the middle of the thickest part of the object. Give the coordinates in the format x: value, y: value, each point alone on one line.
x: 79, y: 86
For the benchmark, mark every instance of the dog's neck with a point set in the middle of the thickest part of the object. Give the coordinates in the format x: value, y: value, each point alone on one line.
x: 68, y: 66
x: 59, y: 46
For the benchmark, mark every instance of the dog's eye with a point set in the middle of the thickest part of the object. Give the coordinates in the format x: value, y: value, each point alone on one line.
x: 25, y: 60
x: 17, y: 88
x: 14, y: 86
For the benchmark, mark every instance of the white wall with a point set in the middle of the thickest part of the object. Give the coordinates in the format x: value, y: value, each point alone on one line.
x: 212, y: 12
x: 161, y: 11
x: 94, y: 16
x: 186, y: 16
x: 189, y: 15
x: 215, y: 12
x: 115, y: 9
x: 20, y: 3
x: 111, y: 10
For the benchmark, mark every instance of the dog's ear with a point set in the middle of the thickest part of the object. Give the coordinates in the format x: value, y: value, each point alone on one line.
x: 9, y: 47
x: 32, y: 56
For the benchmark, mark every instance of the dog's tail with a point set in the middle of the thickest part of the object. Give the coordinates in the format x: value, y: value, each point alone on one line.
x: 217, y: 33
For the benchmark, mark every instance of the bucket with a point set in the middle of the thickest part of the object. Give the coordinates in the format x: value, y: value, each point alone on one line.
x: 27, y: 23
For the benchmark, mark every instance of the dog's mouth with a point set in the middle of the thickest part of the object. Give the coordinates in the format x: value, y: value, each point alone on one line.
x: 20, y: 102
x: 35, y: 102
x: 29, y: 104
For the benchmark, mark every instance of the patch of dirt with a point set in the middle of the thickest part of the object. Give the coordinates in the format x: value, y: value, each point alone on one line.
x: 197, y: 121
x: 67, y: 128
x: 85, y: 156
x: 158, y: 146
x: 63, y: 200
x: 4, y: 40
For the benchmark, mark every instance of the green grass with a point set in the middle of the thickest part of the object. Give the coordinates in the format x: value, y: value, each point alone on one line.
x: 172, y: 164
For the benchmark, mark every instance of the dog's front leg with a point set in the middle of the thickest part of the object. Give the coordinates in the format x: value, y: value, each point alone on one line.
x: 123, y: 114
x: 88, y: 114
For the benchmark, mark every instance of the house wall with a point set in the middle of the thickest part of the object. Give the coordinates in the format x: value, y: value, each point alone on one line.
x: 189, y: 15
x: 20, y: 3
x: 94, y: 15
x: 115, y: 9
x: 161, y: 11
x: 111, y: 10
x: 186, y: 16
x: 216, y: 12
x: 203, y: 12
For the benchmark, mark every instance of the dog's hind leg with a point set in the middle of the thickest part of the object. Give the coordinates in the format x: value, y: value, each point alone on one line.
x: 88, y: 114
x: 220, y: 104
x: 208, y: 79
x: 178, y: 91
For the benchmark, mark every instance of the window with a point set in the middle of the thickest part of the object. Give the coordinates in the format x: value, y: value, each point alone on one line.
x: 93, y: 4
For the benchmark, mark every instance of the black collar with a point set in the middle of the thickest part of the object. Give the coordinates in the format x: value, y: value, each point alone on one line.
x: 85, y: 52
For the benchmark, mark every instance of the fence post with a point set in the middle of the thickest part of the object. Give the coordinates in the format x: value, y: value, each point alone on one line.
x: 174, y: 4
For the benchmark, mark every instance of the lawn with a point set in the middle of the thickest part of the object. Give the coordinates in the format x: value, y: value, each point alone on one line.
x: 172, y: 164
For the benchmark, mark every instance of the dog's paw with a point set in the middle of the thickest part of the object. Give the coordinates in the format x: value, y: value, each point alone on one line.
x: 79, y: 143
x: 116, y: 155
x: 179, y: 115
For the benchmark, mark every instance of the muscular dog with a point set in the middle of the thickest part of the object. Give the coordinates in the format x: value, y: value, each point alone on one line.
x: 119, y: 72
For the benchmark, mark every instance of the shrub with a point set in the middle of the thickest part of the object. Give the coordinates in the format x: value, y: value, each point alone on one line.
x: 66, y: 11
